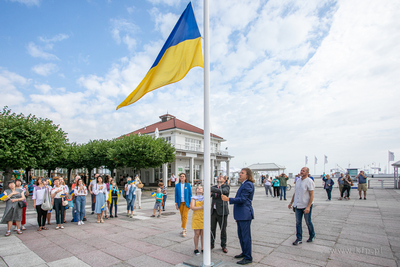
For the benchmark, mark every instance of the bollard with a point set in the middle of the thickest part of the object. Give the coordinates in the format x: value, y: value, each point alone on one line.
x: 382, y: 184
x: 369, y: 184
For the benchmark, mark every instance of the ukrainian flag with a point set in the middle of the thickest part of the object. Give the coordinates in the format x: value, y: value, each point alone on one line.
x: 3, y: 196
x: 181, y: 52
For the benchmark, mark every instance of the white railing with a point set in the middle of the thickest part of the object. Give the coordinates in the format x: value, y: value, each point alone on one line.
x: 199, y: 149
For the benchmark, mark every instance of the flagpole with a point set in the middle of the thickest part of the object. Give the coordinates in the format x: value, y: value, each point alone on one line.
x: 207, y: 159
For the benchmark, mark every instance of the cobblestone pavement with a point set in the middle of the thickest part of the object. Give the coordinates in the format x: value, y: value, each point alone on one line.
x: 348, y: 233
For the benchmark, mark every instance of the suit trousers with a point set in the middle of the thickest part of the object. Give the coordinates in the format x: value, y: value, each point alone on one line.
x: 222, y: 222
x: 244, y: 234
x: 184, y: 211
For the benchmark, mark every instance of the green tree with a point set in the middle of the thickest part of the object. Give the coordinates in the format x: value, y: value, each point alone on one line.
x: 28, y: 141
x: 90, y: 157
x: 141, y: 152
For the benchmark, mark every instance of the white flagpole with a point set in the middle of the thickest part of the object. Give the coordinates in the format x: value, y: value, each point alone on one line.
x: 207, y: 159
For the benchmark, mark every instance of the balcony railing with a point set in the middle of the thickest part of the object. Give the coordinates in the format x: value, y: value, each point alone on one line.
x: 199, y: 149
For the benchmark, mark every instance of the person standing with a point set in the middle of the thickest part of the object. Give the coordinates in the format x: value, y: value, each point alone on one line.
x: 196, y: 205
x: 283, y: 185
x: 275, y: 184
x: 328, y: 186
x: 24, y: 188
x: 91, y: 185
x: 113, y: 194
x: 362, y: 184
x: 38, y: 197
x: 219, y: 211
x: 340, y: 183
x: 164, y: 192
x: 183, y: 196
x: 243, y: 213
x: 57, y: 194
x: 138, y: 191
x: 173, y: 180
x: 267, y: 185
x: 130, y: 189
x: 80, y: 192
x: 73, y: 197
x: 347, y: 183
x: 12, y: 212
x: 100, y: 191
x: 302, y: 201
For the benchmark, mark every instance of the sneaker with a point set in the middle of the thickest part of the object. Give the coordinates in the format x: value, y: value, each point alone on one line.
x: 327, y: 200
x: 116, y: 216
x: 82, y: 223
x: 197, y: 252
x: 131, y: 216
x: 84, y: 220
x: 311, y: 239
x: 158, y: 216
x: 111, y: 216
x: 153, y: 216
x: 297, y: 242
x: 365, y: 198
x: 79, y: 223
x: 360, y: 198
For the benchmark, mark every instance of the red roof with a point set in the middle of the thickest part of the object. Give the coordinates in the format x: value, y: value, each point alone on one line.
x: 172, y: 123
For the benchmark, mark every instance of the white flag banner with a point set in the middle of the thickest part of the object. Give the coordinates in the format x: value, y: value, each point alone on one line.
x: 326, y: 159
x: 315, y: 160
x: 391, y: 156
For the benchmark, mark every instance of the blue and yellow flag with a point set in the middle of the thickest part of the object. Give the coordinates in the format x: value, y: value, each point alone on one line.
x: 50, y: 181
x: 103, y: 208
x: 3, y: 196
x: 181, y: 52
x: 72, y: 193
x: 153, y: 194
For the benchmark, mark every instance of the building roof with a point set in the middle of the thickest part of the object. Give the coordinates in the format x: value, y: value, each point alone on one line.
x: 396, y: 164
x: 169, y: 122
x: 266, y: 167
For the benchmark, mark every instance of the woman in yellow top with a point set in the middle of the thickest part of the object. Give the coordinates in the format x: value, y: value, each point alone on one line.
x: 113, y: 196
x: 196, y: 204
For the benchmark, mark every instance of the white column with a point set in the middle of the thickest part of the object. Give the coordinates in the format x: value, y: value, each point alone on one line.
x: 212, y: 172
x: 191, y: 170
x: 165, y: 174
x: 201, y: 174
x: 227, y: 168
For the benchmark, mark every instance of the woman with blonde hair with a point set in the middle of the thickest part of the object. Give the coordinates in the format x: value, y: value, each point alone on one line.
x: 196, y: 204
x: 12, y: 212
x: 183, y: 196
x: 138, y: 191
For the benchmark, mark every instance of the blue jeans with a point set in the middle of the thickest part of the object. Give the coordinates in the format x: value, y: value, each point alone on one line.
x: 164, y: 200
x: 130, y: 203
x: 113, y: 203
x: 93, y: 203
x: 283, y: 191
x: 307, y: 218
x: 80, y: 204
x: 329, y: 193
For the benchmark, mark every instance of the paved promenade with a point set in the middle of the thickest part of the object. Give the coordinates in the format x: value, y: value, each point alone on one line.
x: 348, y: 233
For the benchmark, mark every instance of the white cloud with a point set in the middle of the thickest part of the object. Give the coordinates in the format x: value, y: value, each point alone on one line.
x: 9, y: 81
x: 164, y: 22
x: 28, y: 2
x: 165, y: 2
x: 36, y: 51
x: 45, y: 69
x: 124, y: 28
x: 56, y: 38
x: 44, y: 88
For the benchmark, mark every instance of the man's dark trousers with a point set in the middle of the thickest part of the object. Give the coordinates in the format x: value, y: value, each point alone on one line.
x: 222, y: 222
x: 244, y: 234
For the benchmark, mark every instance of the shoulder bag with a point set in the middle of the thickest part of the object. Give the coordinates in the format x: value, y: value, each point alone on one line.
x: 140, y: 185
x: 46, y: 205
x: 21, y: 204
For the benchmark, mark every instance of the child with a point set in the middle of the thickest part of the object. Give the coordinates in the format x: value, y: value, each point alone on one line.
x: 113, y: 196
x: 159, y: 198
x: 196, y: 204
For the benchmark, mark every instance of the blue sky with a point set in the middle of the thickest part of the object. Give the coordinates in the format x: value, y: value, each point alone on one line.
x: 288, y: 78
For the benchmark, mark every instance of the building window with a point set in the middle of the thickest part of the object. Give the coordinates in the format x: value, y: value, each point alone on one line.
x: 192, y: 144
x: 168, y: 139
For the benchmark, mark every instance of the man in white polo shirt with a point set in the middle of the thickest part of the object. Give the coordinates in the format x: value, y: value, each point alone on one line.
x: 302, y: 201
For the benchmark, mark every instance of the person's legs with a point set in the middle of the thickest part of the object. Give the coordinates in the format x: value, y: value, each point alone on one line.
x: 78, y: 206
x: 310, y: 226
x: 281, y: 189
x: 214, y: 220
x: 284, y: 191
x: 196, y: 239
x: 184, y: 214
x: 201, y: 238
x: 222, y: 225
x: 266, y: 190
x: 245, y: 236
x: 330, y: 194
x: 164, y: 200
x: 39, y: 219
x: 93, y: 203
x: 270, y: 191
x: 299, y: 218
x: 359, y: 191
x: 43, y: 214
x: 9, y: 224
x: 57, y: 209
x: 340, y: 190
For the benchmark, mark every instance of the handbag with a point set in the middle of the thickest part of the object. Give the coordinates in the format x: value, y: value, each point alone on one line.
x: 64, y: 202
x: 21, y: 204
x: 46, y: 205
x: 140, y: 185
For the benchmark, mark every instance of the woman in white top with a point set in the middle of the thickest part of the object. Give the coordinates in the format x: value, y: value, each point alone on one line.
x: 268, y: 185
x: 57, y: 194
x: 62, y: 182
x: 100, y: 191
x: 38, y: 196
x: 80, y: 192
x: 138, y: 192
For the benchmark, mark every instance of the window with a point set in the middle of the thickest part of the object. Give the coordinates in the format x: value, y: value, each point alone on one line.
x: 168, y: 139
x: 192, y: 144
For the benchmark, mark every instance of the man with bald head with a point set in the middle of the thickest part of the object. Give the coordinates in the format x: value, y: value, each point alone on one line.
x: 302, y: 202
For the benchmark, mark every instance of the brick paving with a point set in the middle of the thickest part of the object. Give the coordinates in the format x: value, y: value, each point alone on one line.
x: 348, y: 233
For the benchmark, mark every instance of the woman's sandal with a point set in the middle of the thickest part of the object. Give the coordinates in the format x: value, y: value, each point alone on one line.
x: 8, y: 233
x: 39, y: 229
x: 101, y: 221
x: 98, y: 221
x: 45, y: 228
x: 19, y: 232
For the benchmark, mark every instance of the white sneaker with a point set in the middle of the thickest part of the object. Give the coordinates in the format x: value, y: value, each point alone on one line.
x: 79, y: 223
x: 82, y: 223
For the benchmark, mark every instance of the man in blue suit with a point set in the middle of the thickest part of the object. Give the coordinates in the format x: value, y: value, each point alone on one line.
x: 243, y: 213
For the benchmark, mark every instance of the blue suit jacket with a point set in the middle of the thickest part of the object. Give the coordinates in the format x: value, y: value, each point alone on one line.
x: 187, y: 194
x: 242, y: 208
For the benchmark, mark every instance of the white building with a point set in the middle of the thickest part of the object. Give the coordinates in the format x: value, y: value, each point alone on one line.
x: 188, y: 141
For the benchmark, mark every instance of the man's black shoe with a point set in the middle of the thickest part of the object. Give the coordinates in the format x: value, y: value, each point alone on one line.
x: 72, y: 220
x: 84, y: 219
x: 297, y: 242
x: 311, y: 239
x: 244, y: 262
x: 239, y: 256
